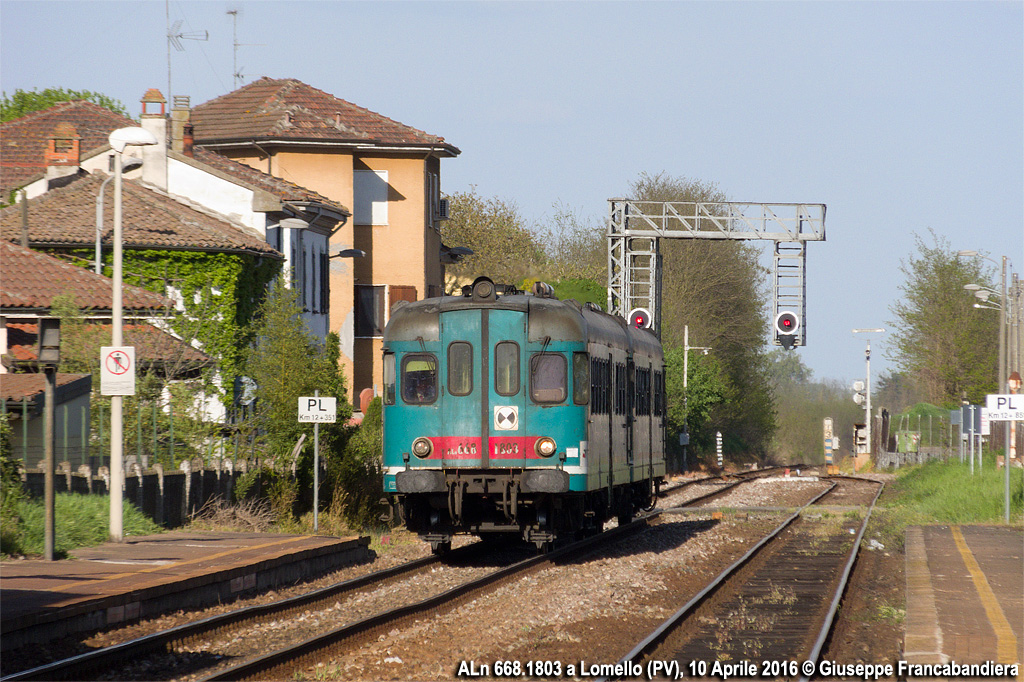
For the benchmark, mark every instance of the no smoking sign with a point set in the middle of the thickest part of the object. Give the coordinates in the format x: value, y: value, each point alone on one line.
x: 117, y: 370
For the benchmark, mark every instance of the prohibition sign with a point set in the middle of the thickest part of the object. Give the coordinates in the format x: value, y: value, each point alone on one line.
x: 117, y: 362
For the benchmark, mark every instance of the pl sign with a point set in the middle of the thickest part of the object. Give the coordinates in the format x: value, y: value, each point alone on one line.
x: 318, y: 409
x: 1005, y: 407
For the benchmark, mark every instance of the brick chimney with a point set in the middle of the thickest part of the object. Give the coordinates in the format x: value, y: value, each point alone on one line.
x: 154, y: 157
x: 63, y: 153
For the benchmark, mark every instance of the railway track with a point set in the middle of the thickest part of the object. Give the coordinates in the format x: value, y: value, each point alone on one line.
x: 103, y: 660
x: 773, y: 607
x: 189, y: 638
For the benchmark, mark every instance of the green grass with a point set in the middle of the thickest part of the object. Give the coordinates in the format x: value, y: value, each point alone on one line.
x: 947, y: 492
x: 79, y: 520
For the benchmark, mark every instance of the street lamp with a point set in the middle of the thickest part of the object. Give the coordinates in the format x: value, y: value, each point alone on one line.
x: 686, y: 371
x: 119, y: 139
x: 130, y: 164
x: 867, y: 387
x: 1002, y: 362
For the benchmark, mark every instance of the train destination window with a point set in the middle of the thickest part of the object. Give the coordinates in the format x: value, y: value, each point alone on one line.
x: 580, y: 378
x: 460, y: 368
x: 389, y: 378
x: 548, y: 377
x: 419, y: 378
x: 506, y: 368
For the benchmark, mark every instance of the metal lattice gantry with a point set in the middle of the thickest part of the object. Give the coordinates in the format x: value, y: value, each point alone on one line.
x: 635, y: 229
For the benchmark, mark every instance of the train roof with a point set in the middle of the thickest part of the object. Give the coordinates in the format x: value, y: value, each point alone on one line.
x: 548, y: 317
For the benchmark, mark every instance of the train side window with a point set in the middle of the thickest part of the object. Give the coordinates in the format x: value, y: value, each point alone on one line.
x: 419, y: 378
x: 580, y: 378
x: 506, y: 368
x: 460, y: 368
x: 548, y: 377
x: 389, y: 378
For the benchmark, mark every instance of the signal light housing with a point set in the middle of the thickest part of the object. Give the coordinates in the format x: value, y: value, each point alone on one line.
x: 640, y: 318
x: 787, y: 323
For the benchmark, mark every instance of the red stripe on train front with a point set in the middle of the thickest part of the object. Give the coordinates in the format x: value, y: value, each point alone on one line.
x: 455, y: 447
x: 513, y: 447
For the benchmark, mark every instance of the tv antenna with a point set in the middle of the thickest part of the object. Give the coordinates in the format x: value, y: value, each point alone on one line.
x: 236, y: 72
x: 174, y: 37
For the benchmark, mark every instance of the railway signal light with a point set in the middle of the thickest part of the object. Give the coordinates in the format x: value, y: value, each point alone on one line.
x: 640, y: 318
x: 786, y: 325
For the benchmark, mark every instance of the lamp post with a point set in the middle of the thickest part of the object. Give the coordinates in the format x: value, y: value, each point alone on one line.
x: 1003, y: 387
x: 119, y: 139
x: 130, y: 164
x: 867, y: 386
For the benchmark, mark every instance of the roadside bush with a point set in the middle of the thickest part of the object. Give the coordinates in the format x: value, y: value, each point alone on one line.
x: 280, y: 489
x: 11, y: 492
x: 358, y: 475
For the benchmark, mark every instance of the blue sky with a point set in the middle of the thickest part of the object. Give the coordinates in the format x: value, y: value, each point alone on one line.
x: 902, y: 117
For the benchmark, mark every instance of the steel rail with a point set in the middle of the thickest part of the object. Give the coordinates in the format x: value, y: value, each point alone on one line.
x: 826, y: 629
x: 73, y: 667
x: 659, y: 633
x: 268, y: 666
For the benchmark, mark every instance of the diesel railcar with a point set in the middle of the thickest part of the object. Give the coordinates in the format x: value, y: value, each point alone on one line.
x: 512, y: 412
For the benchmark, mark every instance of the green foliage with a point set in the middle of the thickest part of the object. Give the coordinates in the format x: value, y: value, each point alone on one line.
x: 358, y: 475
x: 582, y: 290
x: 939, y: 338
x: 79, y: 520
x: 719, y: 289
x: 947, y: 492
x: 279, y: 488
x: 803, y: 405
x: 23, y: 102
x: 503, y: 247
x: 11, y: 492
x: 286, y: 363
x: 705, y: 390
x: 575, y: 249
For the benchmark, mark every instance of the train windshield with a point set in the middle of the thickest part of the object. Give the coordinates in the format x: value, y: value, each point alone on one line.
x: 460, y: 368
x: 506, y: 368
x: 389, y: 378
x: 548, y: 378
x: 419, y: 378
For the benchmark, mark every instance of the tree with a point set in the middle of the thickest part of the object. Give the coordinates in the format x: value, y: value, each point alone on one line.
x: 947, y: 346
x: 285, y: 362
x: 719, y: 289
x: 575, y: 249
x: 23, y: 102
x: 503, y: 247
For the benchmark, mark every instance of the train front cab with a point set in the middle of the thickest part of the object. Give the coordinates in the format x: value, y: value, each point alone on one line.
x: 488, y: 421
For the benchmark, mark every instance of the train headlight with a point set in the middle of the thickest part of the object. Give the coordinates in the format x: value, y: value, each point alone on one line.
x: 422, y: 447
x: 545, y: 446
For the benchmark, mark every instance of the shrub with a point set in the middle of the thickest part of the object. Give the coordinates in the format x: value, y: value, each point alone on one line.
x: 358, y: 475
x: 79, y: 520
x: 11, y: 492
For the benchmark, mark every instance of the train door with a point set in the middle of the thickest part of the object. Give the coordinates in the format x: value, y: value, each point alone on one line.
x: 463, y: 443
x: 502, y: 413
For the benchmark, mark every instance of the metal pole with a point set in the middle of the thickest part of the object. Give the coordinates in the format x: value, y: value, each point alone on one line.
x: 1004, y: 388
x: 971, y: 432
x: 686, y: 373
x: 867, y: 395
x: 50, y: 380
x: 116, y: 401
x: 316, y: 470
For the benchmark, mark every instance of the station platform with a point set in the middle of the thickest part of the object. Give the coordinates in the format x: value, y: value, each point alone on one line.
x: 144, y: 576
x: 965, y: 595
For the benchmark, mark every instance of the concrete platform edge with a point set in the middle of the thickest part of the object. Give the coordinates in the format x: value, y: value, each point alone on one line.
x: 214, y: 587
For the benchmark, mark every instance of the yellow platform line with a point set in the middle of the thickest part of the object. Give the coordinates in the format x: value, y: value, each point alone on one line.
x: 164, y: 567
x: 1006, y: 641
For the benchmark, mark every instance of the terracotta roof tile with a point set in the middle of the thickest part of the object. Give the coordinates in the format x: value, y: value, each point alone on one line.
x: 29, y: 280
x: 66, y: 218
x: 15, y: 387
x: 284, y: 190
x: 152, y: 346
x: 23, y: 140
x: 290, y: 109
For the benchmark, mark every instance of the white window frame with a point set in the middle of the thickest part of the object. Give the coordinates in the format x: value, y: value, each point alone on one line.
x: 370, y: 197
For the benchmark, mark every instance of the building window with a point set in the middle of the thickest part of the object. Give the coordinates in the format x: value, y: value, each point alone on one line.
x: 325, y: 282
x: 370, y: 197
x: 369, y: 311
